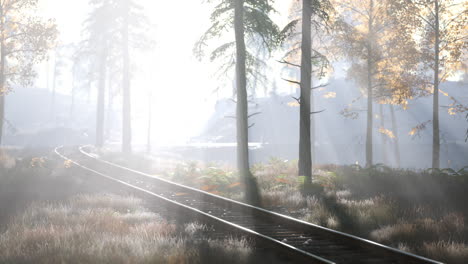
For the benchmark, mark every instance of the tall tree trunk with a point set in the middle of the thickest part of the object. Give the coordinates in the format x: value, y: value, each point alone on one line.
x: 3, y: 89
x: 370, y: 97
x: 101, y: 99
x: 369, y: 139
x: 126, y: 119
x: 2, y: 86
x: 251, y: 191
x: 150, y: 117
x: 383, y: 136
x: 397, y: 139
x: 54, y: 82
x: 90, y: 88
x: 2, y: 113
x: 313, y: 129
x: 435, y: 110
x: 305, y: 154
x: 72, y: 104
x: 312, y: 109
x: 110, y: 103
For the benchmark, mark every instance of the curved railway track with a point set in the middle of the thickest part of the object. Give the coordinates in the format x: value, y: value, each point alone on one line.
x: 298, y: 240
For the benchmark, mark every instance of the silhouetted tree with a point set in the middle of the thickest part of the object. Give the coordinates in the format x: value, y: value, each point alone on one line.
x: 316, y: 13
x: 100, y: 31
x: 114, y: 27
x: 251, y: 23
x: 134, y: 34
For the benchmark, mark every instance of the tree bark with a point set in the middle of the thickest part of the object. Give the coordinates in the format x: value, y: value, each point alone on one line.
x: 150, y: 117
x: 101, y: 99
x: 313, y: 132
x: 383, y: 136
x: 435, y: 110
x: 54, y: 82
x: 2, y: 76
x: 72, y: 104
x: 305, y: 154
x: 108, y: 121
x: 110, y: 104
x: 251, y: 191
x: 126, y: 119
x: 370, y: 97
x: 397, y: 140
x: 2, y: 94
x: 2, y: 113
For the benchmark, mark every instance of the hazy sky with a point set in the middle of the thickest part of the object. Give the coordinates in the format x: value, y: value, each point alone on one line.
x: 183, y: 88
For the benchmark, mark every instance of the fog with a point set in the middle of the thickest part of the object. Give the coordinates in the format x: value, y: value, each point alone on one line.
x: 190, y: 99
x: 201, y: 131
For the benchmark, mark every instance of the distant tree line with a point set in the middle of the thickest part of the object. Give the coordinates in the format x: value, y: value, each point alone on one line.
x: 393, y: 48
x: 396, y: 50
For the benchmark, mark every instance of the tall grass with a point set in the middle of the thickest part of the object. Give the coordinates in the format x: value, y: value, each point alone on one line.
x: 35, y: 178
x: 109, y: 229
x: 419, y: 211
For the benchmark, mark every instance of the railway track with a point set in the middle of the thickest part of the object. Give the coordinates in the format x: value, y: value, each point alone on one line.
x: 300, y: 241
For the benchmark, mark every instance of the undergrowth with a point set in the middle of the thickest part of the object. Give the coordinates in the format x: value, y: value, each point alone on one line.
x: 419, y: 211
x: 54, y: 212
x: 110, y: 229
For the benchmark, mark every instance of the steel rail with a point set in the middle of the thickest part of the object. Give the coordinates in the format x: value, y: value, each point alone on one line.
x: 362, y: 241
x: 276, y: 217
x: 298, y: 254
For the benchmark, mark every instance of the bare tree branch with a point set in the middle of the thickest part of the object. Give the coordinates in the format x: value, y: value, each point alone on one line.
x: 291, y: 81
x: 254, y: 114
x: 317, y: 112
x: 320, y: 86
x: 289, y: 63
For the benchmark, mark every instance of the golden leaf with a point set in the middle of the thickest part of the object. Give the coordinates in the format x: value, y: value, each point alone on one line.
x: 329, y: 95
x: 294, y: 104
x: 387, y: 132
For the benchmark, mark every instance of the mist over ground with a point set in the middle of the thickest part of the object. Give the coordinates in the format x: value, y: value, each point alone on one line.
x: 234, y: 131
x: 339, y: 140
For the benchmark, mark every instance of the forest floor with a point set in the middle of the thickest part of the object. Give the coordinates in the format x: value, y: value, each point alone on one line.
x: 51, y: 212
x: 423, y: 212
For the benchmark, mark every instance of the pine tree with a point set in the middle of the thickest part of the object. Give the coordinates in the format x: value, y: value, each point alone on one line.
x: 114, y: 28
x: 312, y: 62
x: 100, y: 35
x: 253, y: 28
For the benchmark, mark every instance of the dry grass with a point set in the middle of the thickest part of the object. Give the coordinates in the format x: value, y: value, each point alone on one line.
x: 452, y: 252
x: 6, y: 161
x: 285, y: 197
x: 108, y: 229
x: 418, y: 211
x: 29, y: 179
x: 449, y: 227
